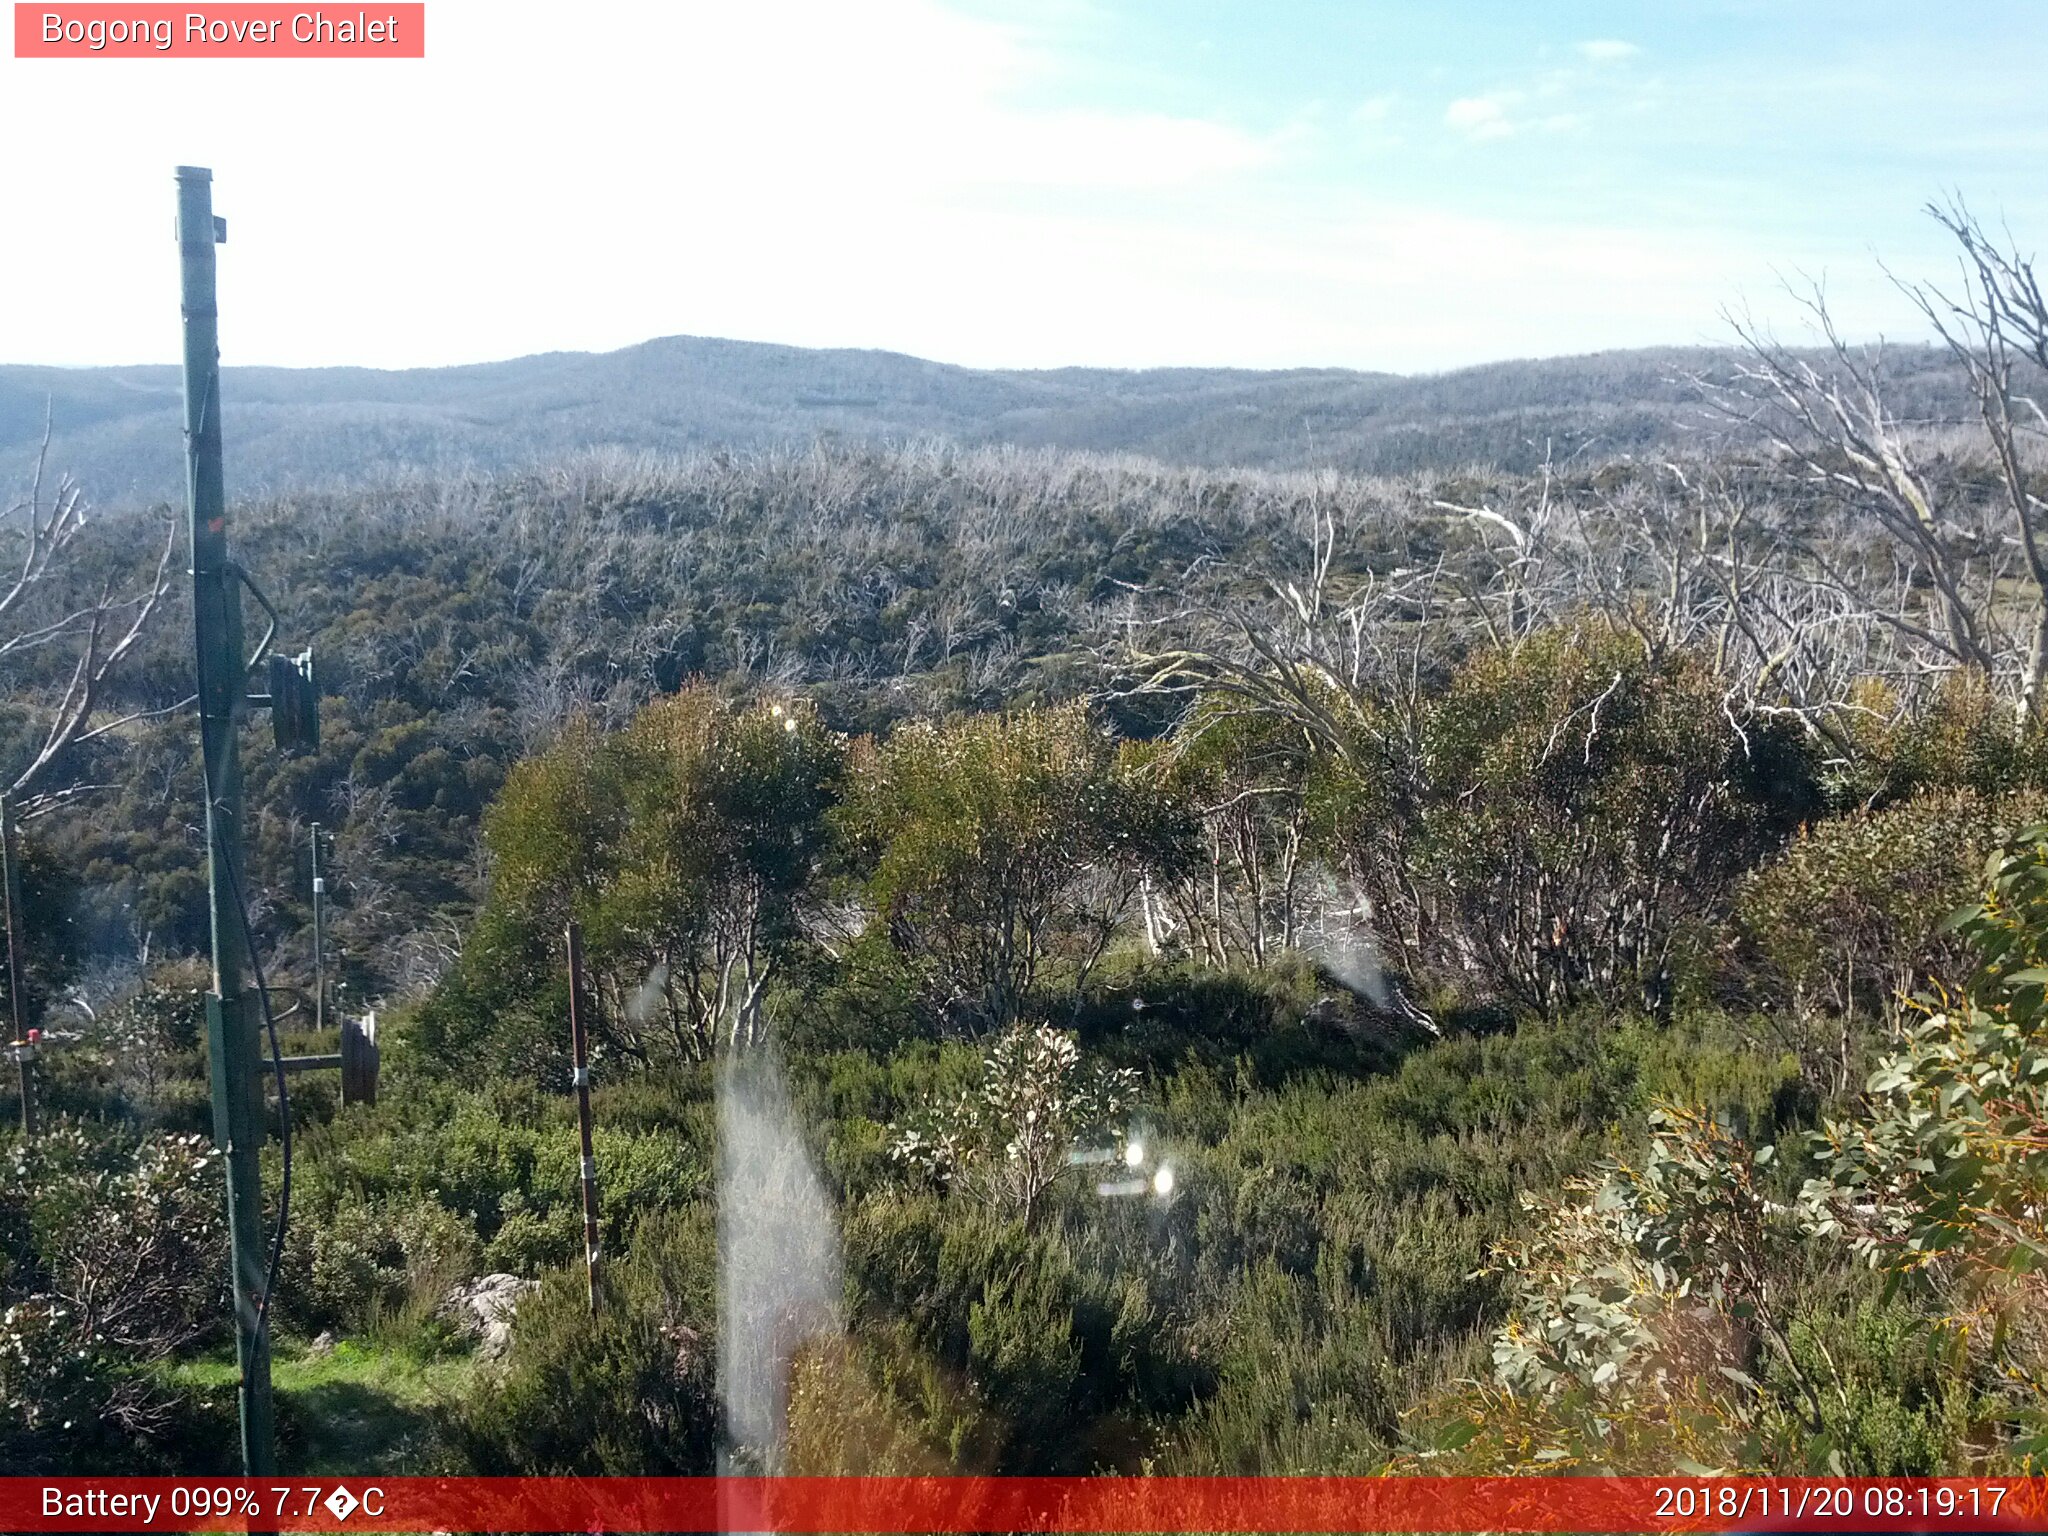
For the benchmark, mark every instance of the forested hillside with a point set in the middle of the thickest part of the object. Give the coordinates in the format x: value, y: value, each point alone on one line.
x: 1094, y: 965
x: 116, y: 428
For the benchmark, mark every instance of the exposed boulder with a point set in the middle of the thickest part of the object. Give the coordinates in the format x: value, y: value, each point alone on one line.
x: 482, y: 1308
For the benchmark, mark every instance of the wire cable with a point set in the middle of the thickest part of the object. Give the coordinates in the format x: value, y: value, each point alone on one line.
x: 216, y: 854
x: 284, y: 1101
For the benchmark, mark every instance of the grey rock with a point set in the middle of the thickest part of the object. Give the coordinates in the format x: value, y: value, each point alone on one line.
x: 483, y: 1308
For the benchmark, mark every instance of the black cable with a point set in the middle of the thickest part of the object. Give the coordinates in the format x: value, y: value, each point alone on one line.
x: 284, y: 1101
x: 227, y: 866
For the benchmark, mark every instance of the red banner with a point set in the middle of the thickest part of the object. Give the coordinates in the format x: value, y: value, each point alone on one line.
x: 901, y: 1505
x: 224, y: 31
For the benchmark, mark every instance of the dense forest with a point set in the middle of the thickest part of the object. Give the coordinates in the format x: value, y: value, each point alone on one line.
x: 1095, y: 965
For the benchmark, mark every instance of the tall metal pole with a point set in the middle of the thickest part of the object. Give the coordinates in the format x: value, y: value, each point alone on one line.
x: 579, y: 1042
x: 232, y: 1014
x: 17, y: 1001
x: 319, y: 938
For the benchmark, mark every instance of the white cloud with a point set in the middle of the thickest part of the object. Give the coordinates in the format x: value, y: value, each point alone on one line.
x: 891, y: 175
x: 1379, y: 284
x: 1099, y: 149
x: 1481, y: 118
x: 720, y: 170
x: 1546, y: 101
x: 1607, y: 50
x: 1375, y: 124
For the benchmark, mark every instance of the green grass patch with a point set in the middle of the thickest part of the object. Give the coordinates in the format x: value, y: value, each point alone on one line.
x: 350, y: 1410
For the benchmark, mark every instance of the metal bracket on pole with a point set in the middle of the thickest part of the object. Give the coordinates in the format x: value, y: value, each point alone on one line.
x: 357, y: 1061
x: 294, y: 705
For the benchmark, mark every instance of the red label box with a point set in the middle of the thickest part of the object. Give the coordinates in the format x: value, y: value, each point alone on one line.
x: 1052, y: 1506
x: 223, y: 31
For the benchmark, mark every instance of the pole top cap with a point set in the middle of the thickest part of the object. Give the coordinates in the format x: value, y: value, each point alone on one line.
x: 194, y: 173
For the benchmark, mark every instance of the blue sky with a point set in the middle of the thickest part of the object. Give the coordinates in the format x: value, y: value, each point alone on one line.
x: 1374, y: 185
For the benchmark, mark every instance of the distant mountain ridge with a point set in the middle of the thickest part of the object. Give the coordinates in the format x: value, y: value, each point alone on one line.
x: 117, y: 429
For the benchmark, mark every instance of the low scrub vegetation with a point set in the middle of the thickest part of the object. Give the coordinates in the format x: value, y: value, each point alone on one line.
x: 1250, y: 974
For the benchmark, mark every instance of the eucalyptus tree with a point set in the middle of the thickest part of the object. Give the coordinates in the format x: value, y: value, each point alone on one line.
x: 1004, y: 852
x: 686, y: 845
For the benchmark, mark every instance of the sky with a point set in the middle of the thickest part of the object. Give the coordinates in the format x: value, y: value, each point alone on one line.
x: 1408, y: 185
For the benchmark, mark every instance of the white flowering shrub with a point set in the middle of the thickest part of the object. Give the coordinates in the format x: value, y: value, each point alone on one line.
x: 116, y: 1258
x: 1005, y: 1140
x: 47, y: 1378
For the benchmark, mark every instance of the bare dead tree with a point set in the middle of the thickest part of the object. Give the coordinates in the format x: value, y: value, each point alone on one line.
x: 1958, y: 582
x: 1308, y: 654
x: 45, y: 528
x: 1696, y: 557
x: 1996, y: 324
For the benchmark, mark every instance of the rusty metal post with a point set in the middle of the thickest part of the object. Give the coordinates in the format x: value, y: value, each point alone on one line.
x: 319, y: 938
x: 10, y: 894
x: 579, y: 1042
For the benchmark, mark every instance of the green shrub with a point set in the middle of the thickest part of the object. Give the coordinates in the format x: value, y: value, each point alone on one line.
x: 1235, y: 794
x: 1587, y: 803
x: 1309, y: 1382
x: 683, y: 845
x: 142, y: 1057
x: 116, y: 1260
x: 1002, y: 850
x: 629, y: 1391
x: 1029, y: 1338
x: 1284, y: 1020
x: 1945, y: 1168
x: 1894, y: 1407
x: 1848, y: 922
x: 1023, y: 1356
x: 1006, y: 1138
x: 363, y: 1263
x: 345, y: 1265
x: 1962, y: 742
x: 529, y: 1243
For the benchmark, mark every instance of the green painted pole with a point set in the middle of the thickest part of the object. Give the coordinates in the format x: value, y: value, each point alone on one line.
x: 232, y: 1015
